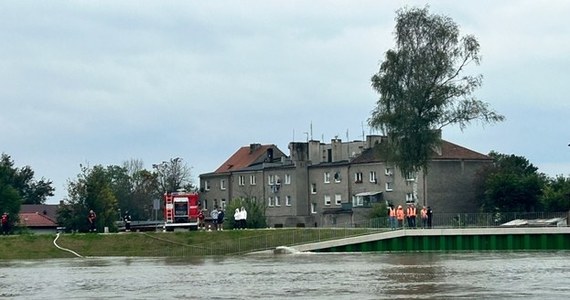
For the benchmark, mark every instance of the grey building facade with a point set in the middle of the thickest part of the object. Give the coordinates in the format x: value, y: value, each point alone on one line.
x: 336, y: 184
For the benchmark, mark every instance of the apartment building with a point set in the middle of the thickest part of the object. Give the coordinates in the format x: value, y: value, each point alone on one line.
x: 338, y: 183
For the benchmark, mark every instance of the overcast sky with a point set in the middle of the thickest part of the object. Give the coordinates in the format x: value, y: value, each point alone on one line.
x: 102, y: 82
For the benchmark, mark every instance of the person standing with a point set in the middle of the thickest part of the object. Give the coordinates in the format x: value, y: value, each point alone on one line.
x: 392, y: 216
x: 243, y: 218
x: 411, y: 213
x: 201, y: 224
x: 5, y: 224
x: 214, y: 215
x: 429, y: 216
x: 221, y: 216
x: 424, y: 217
x: 400, y: 216
x: 127, y: 221
x: 91, y: 218
x: 237, y: 219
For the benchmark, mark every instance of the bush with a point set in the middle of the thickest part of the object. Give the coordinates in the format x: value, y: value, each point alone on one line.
x: 255, y: 213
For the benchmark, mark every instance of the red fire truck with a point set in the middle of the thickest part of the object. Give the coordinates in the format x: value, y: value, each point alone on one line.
x: 180, y: 210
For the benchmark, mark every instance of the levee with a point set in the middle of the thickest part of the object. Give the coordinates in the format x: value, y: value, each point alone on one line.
x: 469, y: 239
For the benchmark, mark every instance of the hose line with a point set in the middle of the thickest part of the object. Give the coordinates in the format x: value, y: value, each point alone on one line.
x: 64, y: 249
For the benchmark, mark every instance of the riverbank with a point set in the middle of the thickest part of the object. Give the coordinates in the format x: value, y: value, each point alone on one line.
x: 187, y: 243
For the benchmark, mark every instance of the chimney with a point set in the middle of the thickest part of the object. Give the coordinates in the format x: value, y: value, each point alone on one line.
x: 253, y: 147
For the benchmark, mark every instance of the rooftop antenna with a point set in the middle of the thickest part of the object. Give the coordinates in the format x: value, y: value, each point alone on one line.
x: 311, y: 130
x: 307, y: 134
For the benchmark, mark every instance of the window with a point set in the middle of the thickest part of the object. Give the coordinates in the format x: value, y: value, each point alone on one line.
x: 287, y: 179
x: 337, y: 199
x: 358, y: 177
x: 411, y: 176
x: 313, y: 208
x: 270, y: 179
x: 241, y: 180
x: 222, y: 184
x: 389, y: 186
x: 252, y: 180
x: 223, y: 204
x: 206, y: 185
x: 313, y: 188
x: 409, y: 197
x: 277, y: 203
x: 337, y: 177
x: 373, y: 178
x: 357, y: 201
x: 389, y: 171
x: 287, y: 200
x: 327, y: 200
x: 327, y: 177
x: 270, y: 201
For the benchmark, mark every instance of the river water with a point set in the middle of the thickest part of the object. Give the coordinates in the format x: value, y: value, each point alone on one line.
x: 355, y: 276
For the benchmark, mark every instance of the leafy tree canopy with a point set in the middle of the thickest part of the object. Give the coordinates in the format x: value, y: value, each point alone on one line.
x: 556, y: 195
x: 422, y: 87
x: 21, y: 180
x: 512, y: 184
x: 92, y: 190
x: 173, y: 175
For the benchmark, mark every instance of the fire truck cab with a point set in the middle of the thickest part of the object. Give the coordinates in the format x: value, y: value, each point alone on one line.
x: 180, y: 210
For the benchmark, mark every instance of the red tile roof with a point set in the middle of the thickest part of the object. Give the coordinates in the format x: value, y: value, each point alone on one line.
x: 50, y: 210
x: 36, y: 220
x: 452, y: 151
x: 449, y: 151
x: 246, y: 156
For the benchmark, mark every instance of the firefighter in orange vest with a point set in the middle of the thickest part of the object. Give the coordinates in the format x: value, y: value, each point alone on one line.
x: 424, y: 217
x: 411, y: 213
x: 392, y: 216
x: 400, y: 216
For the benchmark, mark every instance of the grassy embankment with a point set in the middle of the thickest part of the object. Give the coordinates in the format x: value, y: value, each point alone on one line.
x: 196, y: 243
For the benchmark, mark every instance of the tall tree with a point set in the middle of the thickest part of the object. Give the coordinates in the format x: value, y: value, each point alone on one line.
x: 422, y: 87
x: 10, y: 199
x: 30, y: 190
x: 143, y: 190
x: 173, y: 175
x: 556, y: 194
x: 92, y: 190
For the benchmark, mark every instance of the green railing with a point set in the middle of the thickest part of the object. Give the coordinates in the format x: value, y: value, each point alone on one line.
x: 271, y: 238
x: 475, y: 220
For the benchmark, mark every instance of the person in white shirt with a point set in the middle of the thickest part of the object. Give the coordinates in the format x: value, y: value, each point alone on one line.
x: 243, y: 218
x: 237, y: 219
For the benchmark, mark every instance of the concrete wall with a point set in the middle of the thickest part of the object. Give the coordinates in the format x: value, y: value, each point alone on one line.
x: 450, y: 186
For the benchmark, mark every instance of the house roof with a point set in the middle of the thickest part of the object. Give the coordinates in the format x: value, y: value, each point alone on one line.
x: 449, y: 151
x: 50, y: 210
x: 36, y: 220
x: 247, y: 156
x: 452, y: 151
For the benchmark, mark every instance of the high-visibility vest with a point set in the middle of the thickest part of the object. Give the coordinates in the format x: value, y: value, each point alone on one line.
x: 400, y: 213
x: 392, y: 212
x: 424, y: 213
x: 411, y: 211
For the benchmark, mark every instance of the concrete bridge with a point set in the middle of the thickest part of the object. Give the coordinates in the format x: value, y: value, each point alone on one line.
x: 466, y: 239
